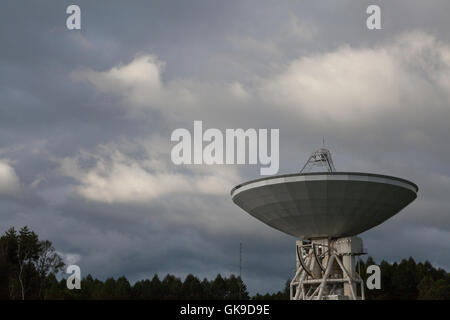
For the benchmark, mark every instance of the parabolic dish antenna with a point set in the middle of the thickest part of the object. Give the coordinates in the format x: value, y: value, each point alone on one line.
x: 324, y: 205
x: 325, y: 208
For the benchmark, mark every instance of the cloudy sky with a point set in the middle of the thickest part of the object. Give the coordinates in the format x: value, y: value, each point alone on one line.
x: 86, y: 118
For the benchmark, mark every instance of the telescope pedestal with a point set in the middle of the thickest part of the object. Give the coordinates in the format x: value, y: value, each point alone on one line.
x: 326, y: 269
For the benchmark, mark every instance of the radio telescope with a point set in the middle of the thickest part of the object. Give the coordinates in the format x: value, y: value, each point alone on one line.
x: 325, y: 210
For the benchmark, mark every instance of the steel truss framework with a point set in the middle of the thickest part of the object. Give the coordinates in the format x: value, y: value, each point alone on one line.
x: 319, y: 158
x: 326, y: 270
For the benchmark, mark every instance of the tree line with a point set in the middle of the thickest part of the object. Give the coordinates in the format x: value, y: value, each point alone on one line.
x: 30, y: 269
x: 408, y: 280
x: 168, y: 288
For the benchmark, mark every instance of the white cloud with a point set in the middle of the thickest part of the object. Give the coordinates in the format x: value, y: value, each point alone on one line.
x: 142, y: 74
x: 139, y: 84
x: 351, y: 85
x: 70, y: 258
x: 114, y: 175
x: 9, y: 181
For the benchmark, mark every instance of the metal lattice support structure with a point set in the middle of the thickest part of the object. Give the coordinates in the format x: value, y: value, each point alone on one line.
x: 326, y: 270
x: 319, y: 158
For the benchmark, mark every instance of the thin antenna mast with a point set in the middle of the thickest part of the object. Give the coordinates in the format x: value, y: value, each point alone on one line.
x: 240, y: 259
x: 240, y: 269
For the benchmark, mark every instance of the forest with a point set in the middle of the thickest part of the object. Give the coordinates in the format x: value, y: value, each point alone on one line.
x: 31, y: 269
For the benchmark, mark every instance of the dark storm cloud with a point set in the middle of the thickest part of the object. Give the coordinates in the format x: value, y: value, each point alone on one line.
x: 229, y: 57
